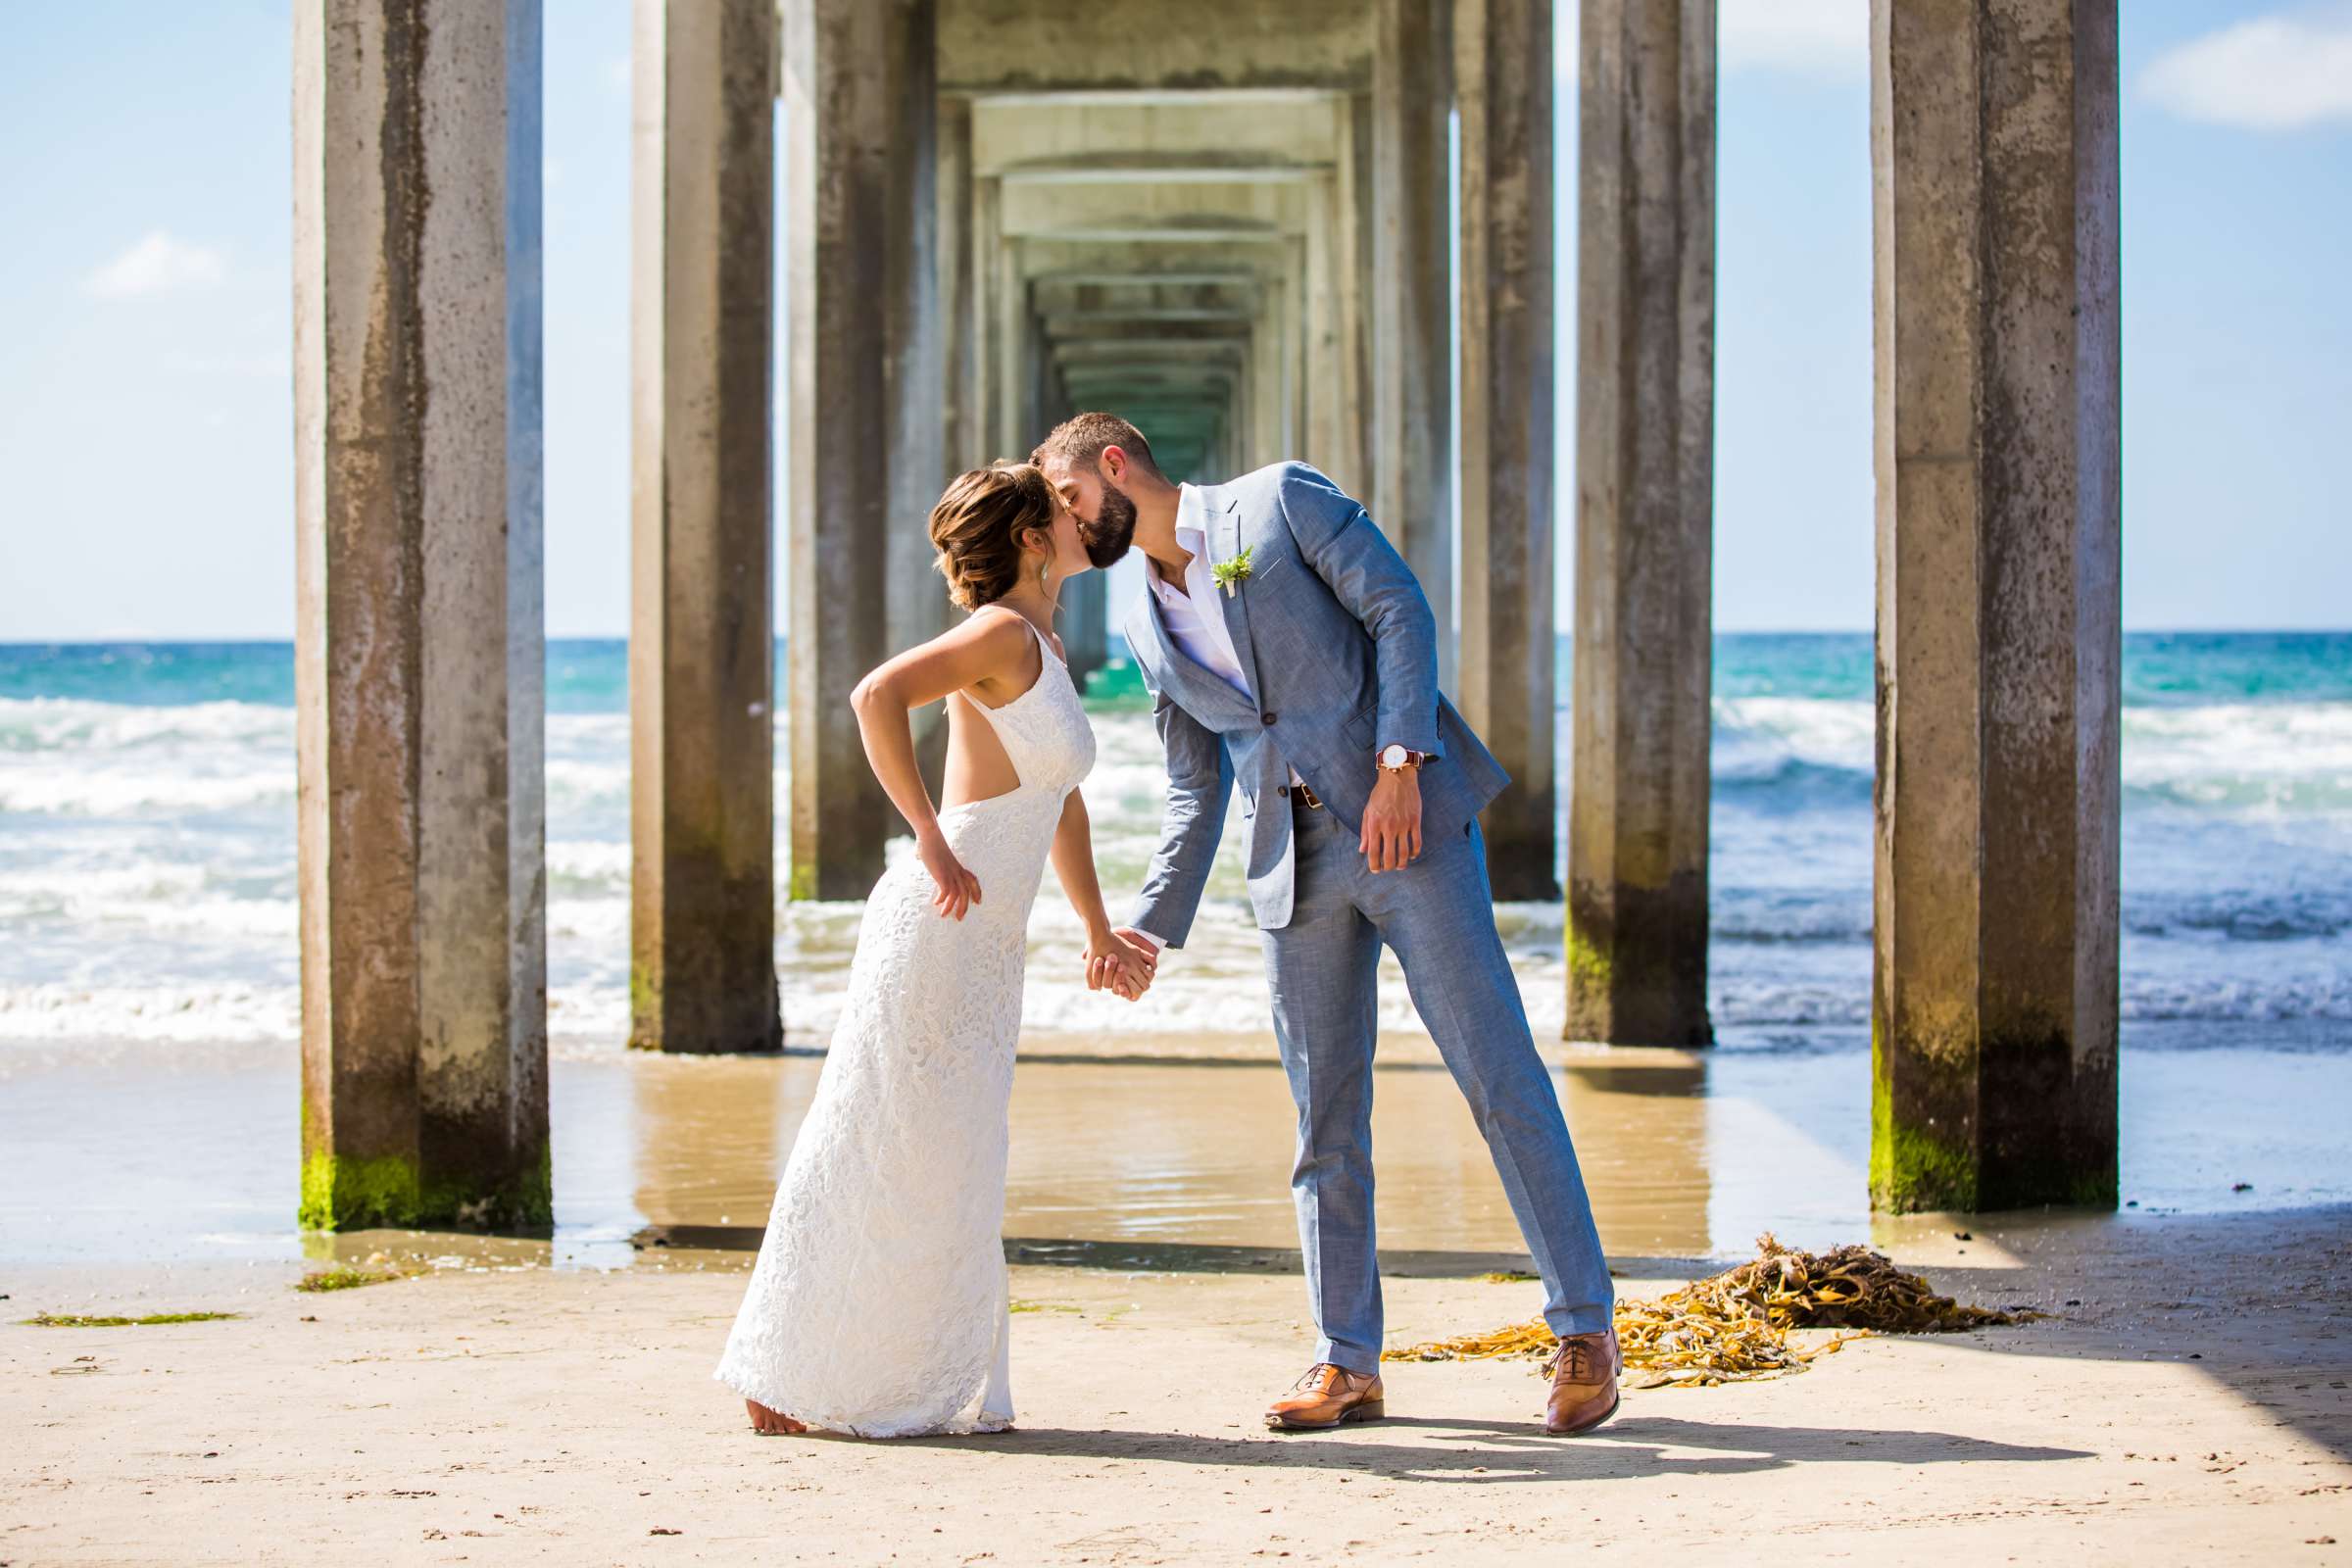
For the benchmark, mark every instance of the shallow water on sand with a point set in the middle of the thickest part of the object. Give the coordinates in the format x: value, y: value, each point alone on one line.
x: 150, y: 1150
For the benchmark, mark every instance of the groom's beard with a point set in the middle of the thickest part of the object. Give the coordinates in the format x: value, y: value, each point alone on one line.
x: 1108, y: 537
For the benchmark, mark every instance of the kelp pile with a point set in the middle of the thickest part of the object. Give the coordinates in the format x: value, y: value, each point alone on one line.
x: 1850, y: 1287
x: 1733, y: 1327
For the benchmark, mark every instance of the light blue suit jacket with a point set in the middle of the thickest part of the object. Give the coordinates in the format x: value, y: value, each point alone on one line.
x: 1337, y: 641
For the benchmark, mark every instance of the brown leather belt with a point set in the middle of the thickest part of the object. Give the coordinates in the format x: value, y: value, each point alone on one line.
x: 1313, y: 801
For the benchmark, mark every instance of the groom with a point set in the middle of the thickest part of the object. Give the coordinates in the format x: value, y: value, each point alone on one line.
x: 1288, y: 649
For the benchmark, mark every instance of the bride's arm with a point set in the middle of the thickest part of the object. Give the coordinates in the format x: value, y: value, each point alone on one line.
x: 980, y: 650
x: 1110, y: 957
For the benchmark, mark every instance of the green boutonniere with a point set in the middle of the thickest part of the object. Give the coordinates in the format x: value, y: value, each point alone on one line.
x: 1231, y: 574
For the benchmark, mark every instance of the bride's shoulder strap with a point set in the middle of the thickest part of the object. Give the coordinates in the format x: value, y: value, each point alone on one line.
x: 1045, y: 648
x: 1008, y: 611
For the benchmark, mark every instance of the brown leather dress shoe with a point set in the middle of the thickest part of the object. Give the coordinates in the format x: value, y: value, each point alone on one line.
x: 1328, y: 1397
x: 1583, y: 1383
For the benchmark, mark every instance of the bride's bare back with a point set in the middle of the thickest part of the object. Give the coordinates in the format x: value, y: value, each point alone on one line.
x: 978, y: 768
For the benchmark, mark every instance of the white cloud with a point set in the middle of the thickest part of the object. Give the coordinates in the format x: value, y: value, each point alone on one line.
x: 158, y: 264
x: 1820, y: 38
x: 2274, y: 72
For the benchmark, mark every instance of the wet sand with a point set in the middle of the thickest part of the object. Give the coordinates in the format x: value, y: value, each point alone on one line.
x: 2187, y: 1404
x: 171, y: 1151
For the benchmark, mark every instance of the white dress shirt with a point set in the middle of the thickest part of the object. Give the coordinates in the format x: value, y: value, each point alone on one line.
x: 1195, y: 621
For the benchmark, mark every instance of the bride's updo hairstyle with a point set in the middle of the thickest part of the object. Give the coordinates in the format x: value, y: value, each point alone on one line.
x: 978, y: 525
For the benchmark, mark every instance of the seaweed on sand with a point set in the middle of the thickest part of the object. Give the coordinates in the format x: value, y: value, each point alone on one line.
x: 1733, y: 1327
x: 84, y: 1320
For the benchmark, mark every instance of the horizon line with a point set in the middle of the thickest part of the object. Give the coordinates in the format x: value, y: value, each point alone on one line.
x: 146, y: 641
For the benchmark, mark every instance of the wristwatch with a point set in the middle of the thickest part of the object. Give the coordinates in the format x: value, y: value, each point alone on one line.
x: 1397, y: 759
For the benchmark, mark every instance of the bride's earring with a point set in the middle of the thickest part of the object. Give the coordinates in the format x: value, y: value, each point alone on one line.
x: 1045, y: 570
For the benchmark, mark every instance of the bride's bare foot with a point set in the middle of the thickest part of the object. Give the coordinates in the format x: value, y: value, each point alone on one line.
x: 772, y: 1423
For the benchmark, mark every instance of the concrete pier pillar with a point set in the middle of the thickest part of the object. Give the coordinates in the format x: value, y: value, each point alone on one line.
x: 955, y: 252
x: 1297, y: 345
x: 1502, y: 73
x: 984, y: 307
x: 1637, y: 937
x: 419, y: 655
x: 1273, y: 433
x: 1084, y: 628
x: 1993, y: 996
x: 1412, y: 299
x: 915, y: 327
x: 1013, y: 338
x: 861, y: 99
x: 919, y: 605
x: 1353, y: 194
x: 1335, y: 405
x: 702, y: 794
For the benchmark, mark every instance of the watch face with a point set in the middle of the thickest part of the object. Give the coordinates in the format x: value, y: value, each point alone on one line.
x: 1394, y: 756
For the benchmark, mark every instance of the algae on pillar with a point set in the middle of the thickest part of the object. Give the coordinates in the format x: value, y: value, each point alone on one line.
x: 1637, y: 935
x: 1502, y: 73
x: 864, y: 426
x: 702, y: 792
x: 1994, y: 986
x: 419, y: 653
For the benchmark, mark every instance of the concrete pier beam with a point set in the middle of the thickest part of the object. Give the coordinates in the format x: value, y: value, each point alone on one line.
x: 1412, y: 299
x: 1196, y: 257
x: 702, y: 796
x: 1502, y: 73
x: 1637, y: 937
x: 418, y: 655
x: 866, y: 445
x: 1993, y: 988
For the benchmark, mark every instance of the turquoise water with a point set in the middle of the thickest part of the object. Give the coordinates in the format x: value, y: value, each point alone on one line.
x: 147, y: 849
x: 590, y: 675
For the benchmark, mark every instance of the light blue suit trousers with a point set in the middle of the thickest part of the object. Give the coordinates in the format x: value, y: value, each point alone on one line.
x: 1437, y: 914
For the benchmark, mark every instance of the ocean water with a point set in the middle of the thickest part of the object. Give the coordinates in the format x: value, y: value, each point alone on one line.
x: 147, y: 864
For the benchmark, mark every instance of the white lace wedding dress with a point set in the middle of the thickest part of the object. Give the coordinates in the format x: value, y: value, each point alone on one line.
x: 878, y: 1305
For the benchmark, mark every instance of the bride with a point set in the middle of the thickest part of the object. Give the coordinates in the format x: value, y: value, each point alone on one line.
x: 878, y: 1305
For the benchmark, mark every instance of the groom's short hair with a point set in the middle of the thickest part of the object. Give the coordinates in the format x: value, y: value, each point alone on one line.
x: 1079, y: 442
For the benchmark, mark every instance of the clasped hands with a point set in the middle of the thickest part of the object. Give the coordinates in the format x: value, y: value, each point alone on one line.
x: 1121, y: 961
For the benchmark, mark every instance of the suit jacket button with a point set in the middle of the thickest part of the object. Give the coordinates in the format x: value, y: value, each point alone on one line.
x: 1268, y: 718
x: 1283, y: 790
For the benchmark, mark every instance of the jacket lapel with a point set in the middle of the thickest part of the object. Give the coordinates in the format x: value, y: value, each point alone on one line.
x: 1225, y: 543
x: 1200, y: 693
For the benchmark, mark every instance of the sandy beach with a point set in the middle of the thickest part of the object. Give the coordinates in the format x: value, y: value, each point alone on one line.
x: 2188, y: 1401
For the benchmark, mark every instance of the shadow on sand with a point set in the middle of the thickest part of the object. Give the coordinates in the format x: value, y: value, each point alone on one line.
x: 1516, y: 1452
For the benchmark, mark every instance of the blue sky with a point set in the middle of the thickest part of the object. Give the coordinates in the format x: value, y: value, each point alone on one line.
x: 146, y: 418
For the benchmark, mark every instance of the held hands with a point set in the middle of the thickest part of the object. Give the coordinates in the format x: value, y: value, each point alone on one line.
x: 1392, y: 833
x: 1121, y: 960
x: 955, y: 890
